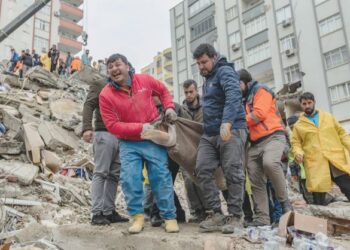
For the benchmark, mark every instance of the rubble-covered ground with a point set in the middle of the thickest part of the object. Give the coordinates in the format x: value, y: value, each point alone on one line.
x: 45, y: 186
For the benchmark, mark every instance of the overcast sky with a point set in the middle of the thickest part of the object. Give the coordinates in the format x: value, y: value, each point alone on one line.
x: 136, y: 28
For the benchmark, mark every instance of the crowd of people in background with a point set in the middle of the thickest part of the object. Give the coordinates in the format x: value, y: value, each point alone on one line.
x: 63, y: 64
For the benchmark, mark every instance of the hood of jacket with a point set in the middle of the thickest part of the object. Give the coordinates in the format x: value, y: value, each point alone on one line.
x: 220, y: 61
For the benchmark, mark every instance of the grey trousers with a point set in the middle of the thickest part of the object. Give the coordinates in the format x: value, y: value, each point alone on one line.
x: 213, y: 152
x: 195, y: 197
x: 264, y: 161
x: 106, y: 174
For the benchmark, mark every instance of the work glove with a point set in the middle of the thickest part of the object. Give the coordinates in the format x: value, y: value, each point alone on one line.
x: 146, y: 127
x: 170, y: 115
x: 225, y: 131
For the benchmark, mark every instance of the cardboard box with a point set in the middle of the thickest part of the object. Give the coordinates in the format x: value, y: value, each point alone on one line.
x: 301, y: 222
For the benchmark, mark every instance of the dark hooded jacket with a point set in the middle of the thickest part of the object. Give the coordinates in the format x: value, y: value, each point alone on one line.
x: 222, y: 99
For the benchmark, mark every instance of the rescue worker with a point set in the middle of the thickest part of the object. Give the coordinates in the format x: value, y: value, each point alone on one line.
x: 45, y: 60
x: 323, y: 146
x: 192, y: 109
x: 222, y: 143
x: 128, y: 110
x: 106, y: 157
x: 267, y: 143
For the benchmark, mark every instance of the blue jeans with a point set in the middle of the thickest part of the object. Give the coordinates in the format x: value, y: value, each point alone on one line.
x: 132, y: 155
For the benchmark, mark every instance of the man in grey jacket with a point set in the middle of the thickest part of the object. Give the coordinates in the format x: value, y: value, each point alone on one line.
x: 107, y: 164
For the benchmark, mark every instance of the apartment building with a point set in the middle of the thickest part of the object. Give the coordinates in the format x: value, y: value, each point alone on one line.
x: 278, y: 41
x: 161, y: 68
x: 56, y: 23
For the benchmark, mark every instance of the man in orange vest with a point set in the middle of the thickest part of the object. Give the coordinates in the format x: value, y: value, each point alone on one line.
x: 267, y: 142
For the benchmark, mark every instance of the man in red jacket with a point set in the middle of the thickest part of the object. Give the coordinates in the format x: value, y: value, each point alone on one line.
x: 128, y: 110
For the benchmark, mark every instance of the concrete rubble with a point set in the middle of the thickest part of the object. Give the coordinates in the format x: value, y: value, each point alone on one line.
x: 43, y: 205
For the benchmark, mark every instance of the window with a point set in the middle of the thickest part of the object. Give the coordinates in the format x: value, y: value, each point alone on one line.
x: 292, y: 73
x: 336, y: 57
x: 42, y: 25
x: 258, y: 54
x: 181, y: 65
x: 317, y: 2
x: 283, y: 14
x: 180, y: 42
x: 40, y: 43
x: 238, y: 64
x: 182, y: 76
x: 340, y: 92
x: 288, y: 42
x: 234, y: 38
x: 256, y: 25
x: 46, y: 10
x: 202, y: 28
x: 199, y: 6
x: 330, y: 24
x: 231, y: 13
x: 178, y: 20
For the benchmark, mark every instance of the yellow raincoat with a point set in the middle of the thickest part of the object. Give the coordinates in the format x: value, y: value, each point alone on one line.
x: 45, y: 61
x: 319, y: 146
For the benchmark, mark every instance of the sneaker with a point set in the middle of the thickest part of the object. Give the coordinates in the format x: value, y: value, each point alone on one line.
x: 114, y: 217
x: 229, y: 228
x: 156, y: 220
x: 213, y: 223
x: 254, y: 223
x: 100, y: 220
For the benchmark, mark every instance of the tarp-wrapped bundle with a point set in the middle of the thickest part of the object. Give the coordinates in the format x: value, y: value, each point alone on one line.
x: 184, y: 152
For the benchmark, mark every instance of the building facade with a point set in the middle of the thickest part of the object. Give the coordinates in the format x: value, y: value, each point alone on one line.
x: 56, y: 23
x: 162, y: 68
x: 278, y: 41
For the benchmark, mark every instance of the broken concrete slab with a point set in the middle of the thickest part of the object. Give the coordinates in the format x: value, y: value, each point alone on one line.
x: 44, y: 78
x: 28, y: 115
x: 25, y: 173
x: 65, y: 109
x: 33, y: 142
x: 10, y: 121
x: 55, y: 136
x: 44, y: 94
x: 51, y: 160
x: 10, y: 147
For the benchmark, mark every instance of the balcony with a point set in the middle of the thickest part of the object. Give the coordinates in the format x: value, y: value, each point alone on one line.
x: 75, y: 3
x: 167, y: 54
x: 168, y: 78
x: 168, y: 65
x: 66, y: 44
x: 70, y: 27
x: 71, y: 12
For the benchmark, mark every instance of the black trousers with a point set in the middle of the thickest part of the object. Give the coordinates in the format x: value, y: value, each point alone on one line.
x: 343, y: 182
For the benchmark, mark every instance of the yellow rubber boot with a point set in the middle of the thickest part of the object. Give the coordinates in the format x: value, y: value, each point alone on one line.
x: 171, y: 226
x: 138, y: 223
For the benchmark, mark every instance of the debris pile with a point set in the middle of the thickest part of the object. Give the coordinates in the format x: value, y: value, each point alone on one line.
x: 41, y: 152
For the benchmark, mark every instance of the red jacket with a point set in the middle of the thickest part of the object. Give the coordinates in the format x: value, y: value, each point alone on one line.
x: 124, y: 113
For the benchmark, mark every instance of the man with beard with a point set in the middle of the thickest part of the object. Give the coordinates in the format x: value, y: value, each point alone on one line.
x: 54, y: 54
x: 322, y: 144
x: 191, y: 109
x: 267, y: 142
x: 223, y: 140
